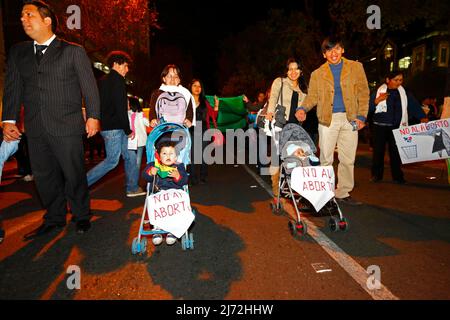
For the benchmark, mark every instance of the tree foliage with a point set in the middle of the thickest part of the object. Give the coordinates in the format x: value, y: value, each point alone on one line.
x: 400, y: 16
x: 252, y: 59
x: 108, y: 25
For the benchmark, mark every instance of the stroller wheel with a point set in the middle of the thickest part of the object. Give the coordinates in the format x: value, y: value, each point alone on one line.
x: 278, y: 211
x: 135, y: 246
x: 143, y: 245
x: 191, y: 241
x: 298, y: 229
x: 184, y: 242
x: 334, y: 224
x: 343, y: 224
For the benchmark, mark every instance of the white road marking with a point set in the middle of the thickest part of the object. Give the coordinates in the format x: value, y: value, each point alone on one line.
x: 355, y: 270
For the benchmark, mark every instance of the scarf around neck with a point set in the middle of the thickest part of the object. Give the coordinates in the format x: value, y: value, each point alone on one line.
x: 382, y: 106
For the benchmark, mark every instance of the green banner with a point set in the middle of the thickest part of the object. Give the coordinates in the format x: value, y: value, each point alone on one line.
x: 232, y: 113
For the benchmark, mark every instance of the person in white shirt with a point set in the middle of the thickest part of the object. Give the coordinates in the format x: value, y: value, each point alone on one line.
x: 138, y: 138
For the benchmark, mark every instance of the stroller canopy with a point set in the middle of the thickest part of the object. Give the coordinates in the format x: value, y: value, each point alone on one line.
x: 174, y: 132
x: 292, y: 133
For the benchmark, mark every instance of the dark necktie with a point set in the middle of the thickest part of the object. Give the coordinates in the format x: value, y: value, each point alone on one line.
x: 39, y: 52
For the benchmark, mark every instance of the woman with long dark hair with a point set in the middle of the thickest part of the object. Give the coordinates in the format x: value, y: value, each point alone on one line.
x: 286, y: 91
x: 204, y: 114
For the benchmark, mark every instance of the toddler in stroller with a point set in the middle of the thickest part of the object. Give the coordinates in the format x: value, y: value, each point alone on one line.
x: 298, y: 150
x: 166, y: 170
x: 165, y: 173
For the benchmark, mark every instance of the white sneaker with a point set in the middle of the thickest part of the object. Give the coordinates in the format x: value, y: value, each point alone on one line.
x: 170, y: 239
x: 157, y: 239
x: 137, y: 193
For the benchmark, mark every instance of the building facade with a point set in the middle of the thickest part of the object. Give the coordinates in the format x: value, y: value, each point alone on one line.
x: 424, y: 60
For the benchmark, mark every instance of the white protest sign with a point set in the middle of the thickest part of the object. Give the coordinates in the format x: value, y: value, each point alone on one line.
x: 170, y: 210
x: 424, y: 141
x: 316, y: 184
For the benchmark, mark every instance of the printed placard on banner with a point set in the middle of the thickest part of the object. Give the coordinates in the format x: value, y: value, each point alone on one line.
x: 133, y: 143
x: 316, y: 184
x: 424, y: 141
x: 171, y: 211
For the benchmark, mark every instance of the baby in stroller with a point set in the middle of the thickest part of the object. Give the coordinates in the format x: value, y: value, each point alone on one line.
x: 165, y: 173
x: 298, y: 150
x: 300, y: 153
x: 168, y: 153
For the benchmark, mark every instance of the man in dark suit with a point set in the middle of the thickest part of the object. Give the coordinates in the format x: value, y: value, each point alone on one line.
x: 50, y: 76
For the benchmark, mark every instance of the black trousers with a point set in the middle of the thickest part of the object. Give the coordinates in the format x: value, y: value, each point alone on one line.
x: 60, y: 176
x: 383, y: 135
x: 197, y: 171
x: 23, y: 157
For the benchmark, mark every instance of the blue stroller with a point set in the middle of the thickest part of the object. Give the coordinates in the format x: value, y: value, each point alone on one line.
x: 139, y: 244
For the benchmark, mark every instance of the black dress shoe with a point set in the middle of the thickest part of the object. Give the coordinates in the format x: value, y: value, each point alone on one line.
x: 375, y: 179
x: 400, y: 181
x: 42, y: 230
x: 83, y: 226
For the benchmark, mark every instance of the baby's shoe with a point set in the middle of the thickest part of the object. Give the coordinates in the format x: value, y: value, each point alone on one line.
x: 170, y: 239
x: 157, y: 239
x: 313, y: 160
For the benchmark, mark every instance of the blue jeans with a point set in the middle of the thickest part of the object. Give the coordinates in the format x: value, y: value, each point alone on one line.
x: 7, y: 149
x: 116, y: 145
x: 135, y: 160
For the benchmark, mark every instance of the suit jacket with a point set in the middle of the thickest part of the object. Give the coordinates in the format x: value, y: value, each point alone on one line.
x: 355, y: 92
x: 114, y: 102
x: 52, y: 91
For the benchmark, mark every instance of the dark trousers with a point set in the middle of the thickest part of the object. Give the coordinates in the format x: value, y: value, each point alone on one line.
x: 197, y: 170
x: 23, y: 157
x: 94, y: 143
x: 383, y: 135
x: 60, y: 176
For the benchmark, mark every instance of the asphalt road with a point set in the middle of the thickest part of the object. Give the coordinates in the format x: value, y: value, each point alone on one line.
x: 242, y: 250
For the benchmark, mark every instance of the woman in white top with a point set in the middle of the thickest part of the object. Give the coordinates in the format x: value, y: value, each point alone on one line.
x: 138, y: 137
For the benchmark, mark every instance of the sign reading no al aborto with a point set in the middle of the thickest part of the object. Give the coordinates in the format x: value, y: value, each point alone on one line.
x: 316, y: 184
x: 424, y: 141
x: 170, y: 210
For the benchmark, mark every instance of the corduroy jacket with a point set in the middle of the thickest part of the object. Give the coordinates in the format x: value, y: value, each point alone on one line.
x: 355, y: 92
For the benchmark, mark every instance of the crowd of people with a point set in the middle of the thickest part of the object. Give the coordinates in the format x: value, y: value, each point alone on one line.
x: 333, y: 107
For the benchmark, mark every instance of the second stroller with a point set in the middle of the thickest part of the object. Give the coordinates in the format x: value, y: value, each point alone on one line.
x: 298, y: 150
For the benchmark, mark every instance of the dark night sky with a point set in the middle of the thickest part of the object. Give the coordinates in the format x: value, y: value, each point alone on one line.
x: 196, y: 28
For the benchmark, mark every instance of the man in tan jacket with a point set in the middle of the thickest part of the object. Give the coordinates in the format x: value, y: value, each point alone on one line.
x: 340, y: 90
